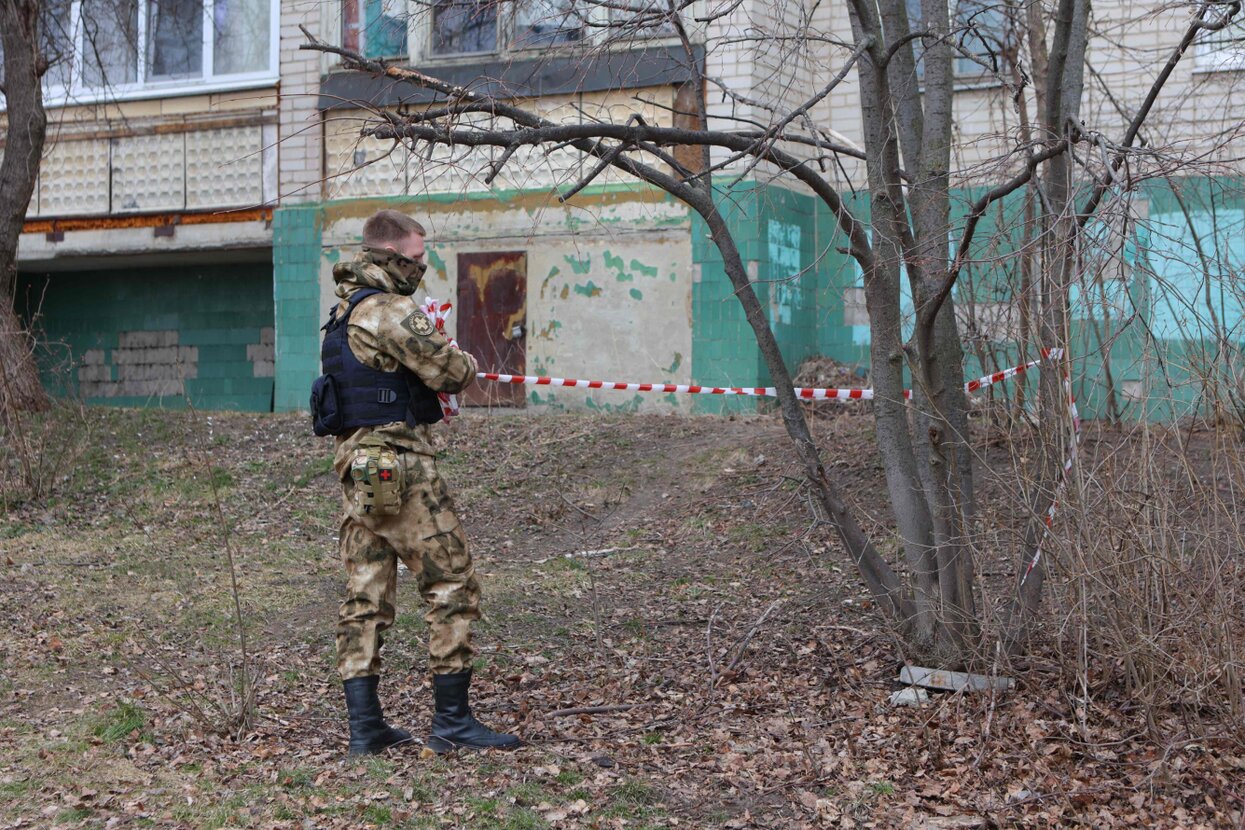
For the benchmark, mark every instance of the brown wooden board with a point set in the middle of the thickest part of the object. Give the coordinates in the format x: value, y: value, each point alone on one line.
x: 492, y: 322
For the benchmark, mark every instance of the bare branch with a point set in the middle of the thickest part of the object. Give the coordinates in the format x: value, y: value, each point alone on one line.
x: 978, y: 210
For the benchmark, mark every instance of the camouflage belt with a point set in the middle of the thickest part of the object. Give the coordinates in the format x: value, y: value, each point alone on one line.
x: 377, y: 475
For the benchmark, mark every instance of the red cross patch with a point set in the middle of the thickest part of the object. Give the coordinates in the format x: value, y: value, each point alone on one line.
x: 385, y: 475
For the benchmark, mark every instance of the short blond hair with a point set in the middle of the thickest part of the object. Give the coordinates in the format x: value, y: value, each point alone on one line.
x: 388, y: 227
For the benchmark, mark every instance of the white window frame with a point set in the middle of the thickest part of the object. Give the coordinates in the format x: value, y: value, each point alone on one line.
x: 76, y: 93
x: 1211, y: 54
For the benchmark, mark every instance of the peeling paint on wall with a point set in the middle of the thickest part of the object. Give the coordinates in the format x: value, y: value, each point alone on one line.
x: 553, y: 272
x: 626, y: 407
x: 580, y: 266
x: 642, y: 269
x: 636, y: 294
x: 588, y: 289
x: 616, y: 263
x: 436, y: 260
x: 784, y: 257
x: 548, y: 331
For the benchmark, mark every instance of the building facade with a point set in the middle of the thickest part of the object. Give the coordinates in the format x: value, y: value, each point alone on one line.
x: 189, y: 213
x: 146, y: 258
x: 621, y: 282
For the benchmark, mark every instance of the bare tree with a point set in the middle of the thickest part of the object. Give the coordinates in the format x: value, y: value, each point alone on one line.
x: 906, y: 74
x: 24, y: 64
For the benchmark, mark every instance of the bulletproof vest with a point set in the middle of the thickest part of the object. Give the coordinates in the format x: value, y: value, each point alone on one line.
x: 366, y: 396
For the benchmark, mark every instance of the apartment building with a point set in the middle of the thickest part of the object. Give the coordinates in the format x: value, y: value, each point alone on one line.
x: 1157, y: 315
x: 146, y: 258
x: 197, y: 191
x: 621, y: 282
x: 598, y: 286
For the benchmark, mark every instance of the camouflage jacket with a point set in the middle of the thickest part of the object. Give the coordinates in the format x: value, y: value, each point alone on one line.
x: 387, y: 331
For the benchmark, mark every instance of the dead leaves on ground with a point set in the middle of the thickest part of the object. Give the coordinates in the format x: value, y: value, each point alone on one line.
x: 701, y: 542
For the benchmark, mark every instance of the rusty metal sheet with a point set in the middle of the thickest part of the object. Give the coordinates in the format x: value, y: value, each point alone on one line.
x: 492, y: 321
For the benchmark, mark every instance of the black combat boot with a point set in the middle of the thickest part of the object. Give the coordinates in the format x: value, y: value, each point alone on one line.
x: 369, y: 734
x: 453, y: 725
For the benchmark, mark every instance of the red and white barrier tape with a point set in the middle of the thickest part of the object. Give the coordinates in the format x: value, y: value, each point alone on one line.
x: 839, y: 395
x: 805, y: 393
x: 1062, y: 482
x: 439, y: 313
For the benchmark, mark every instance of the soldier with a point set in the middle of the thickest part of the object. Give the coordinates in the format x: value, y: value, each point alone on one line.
x: 383, y: 362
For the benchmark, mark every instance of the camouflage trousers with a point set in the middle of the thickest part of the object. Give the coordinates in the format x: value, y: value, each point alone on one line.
x: 428, y: 538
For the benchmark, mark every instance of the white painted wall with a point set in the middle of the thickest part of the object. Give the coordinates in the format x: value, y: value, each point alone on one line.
x: 609, y: 284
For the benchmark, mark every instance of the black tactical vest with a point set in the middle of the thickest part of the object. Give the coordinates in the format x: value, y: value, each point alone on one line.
x: 350, y: 394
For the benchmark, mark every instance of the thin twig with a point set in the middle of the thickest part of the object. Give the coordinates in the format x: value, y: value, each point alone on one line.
x: 756, y: 626
x: 713, y: 663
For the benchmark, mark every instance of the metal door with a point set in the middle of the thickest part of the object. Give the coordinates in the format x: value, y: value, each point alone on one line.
x: 492, y: 323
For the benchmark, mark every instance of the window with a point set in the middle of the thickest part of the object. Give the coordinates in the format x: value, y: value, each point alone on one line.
x: 985, y: 27
x: 639, y: 19
x: 546, y: 23
x: 109, y: 43
x: 57, y: 39
x: 374, y: 28
x: 174, y: 39
x: 122, y: 48
x: 57, y: 43
x: 241, y: 36
x: 461, y: 27
x: 980, y: 25
x: 1222, y: 50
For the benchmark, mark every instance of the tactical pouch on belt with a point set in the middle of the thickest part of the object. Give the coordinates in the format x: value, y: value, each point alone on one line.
x: 377, y: 475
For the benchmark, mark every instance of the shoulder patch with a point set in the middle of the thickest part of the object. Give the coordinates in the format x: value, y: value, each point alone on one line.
x: 418, y: 323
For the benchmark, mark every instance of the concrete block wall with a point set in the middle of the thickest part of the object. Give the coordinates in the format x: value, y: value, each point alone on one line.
x: 155, y: 336
x: 609, y: 283
x: 781, y: 234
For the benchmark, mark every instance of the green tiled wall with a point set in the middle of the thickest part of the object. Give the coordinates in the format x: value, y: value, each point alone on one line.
x: 790, y: 242
x: 1159, y: 335
x: 296, y: 292
x: 1148, y: 317
x: 220, y: 310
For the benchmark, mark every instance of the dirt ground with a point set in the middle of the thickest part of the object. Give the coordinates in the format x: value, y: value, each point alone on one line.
x: 663, y: 573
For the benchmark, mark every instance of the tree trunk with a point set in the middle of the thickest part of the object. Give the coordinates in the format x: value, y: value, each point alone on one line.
x: 24, y: 66
x: 1063, y: 89
x: 886, y: 353
x: 883, y: 583
x: 20, y: 389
